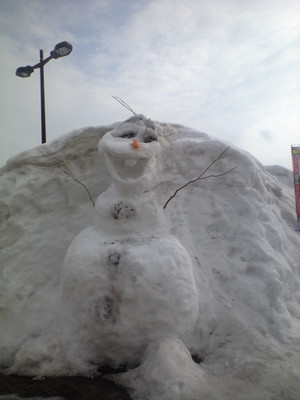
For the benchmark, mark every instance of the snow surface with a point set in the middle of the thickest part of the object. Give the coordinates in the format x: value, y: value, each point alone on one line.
x: 214, y: 275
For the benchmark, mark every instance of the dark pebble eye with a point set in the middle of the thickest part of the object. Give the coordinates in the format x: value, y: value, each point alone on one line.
x: 151, y: 138
x: 128, y: 135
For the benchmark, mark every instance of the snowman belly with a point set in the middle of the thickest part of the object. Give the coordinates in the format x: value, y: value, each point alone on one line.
x: 129, y: 291
x: 157, y: 288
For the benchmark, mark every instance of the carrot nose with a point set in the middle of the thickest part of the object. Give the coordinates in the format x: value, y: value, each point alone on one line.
x: 136, y: 144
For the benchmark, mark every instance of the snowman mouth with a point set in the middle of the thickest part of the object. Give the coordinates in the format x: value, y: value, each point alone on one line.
x: 130, y: 162
x: 128, y: 168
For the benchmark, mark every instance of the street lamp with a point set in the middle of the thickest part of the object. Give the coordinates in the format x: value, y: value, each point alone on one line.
x: 62, y: 49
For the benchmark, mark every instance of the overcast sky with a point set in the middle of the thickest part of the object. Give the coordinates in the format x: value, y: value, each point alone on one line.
x: 230, y: 68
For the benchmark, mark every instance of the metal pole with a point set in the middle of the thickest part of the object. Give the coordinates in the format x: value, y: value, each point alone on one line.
x: 43, y: 114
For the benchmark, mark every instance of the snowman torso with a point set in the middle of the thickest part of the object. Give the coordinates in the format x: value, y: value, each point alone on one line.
x: 126, y: 280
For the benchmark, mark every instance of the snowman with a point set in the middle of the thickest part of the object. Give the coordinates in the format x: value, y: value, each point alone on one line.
x: 127, y: 282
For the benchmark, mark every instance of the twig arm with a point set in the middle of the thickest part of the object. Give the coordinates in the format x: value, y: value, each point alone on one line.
x: 201, y: 176
x: 66, y: 170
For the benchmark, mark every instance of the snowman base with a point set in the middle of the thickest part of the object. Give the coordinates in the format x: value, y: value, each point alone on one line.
x: 168, y: 372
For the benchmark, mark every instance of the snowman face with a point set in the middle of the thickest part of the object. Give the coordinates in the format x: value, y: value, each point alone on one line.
x: 130, y: 150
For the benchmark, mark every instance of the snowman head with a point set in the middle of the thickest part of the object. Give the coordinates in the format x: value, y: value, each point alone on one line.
x: 130, y: 152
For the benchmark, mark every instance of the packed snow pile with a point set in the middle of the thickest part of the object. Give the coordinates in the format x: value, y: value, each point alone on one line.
x: 194, y: 293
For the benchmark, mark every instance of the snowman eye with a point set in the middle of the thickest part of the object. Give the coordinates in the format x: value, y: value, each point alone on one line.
x: 149, y: 139
x: 128, y: 135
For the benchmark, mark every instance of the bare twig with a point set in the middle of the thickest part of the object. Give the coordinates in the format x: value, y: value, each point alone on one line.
x: 124, y: 104
x: 218, y: 175
x: 66, y: 170
x: 201, y: 176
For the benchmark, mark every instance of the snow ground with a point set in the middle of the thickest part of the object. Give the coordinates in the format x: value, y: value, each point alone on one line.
x: 238, y: 230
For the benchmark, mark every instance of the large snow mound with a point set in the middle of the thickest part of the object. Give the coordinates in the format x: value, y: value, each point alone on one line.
x: 237, y: 228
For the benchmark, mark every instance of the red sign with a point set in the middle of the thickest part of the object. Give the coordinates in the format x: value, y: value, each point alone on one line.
x: 296, y: 170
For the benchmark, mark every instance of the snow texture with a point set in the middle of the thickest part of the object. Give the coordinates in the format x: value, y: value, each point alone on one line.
x: 199, y: 300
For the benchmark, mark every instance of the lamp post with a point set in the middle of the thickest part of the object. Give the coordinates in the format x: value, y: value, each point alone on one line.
x: 62, y: 49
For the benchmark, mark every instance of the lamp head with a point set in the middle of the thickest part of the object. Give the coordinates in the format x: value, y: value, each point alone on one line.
x: 62, y: 49
x: 24, y: 72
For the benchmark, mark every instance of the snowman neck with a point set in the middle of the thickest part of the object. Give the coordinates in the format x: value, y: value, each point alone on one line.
x: 128, y: 191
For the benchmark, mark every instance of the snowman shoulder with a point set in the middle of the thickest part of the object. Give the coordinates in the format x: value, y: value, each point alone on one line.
x: 85, y: 244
